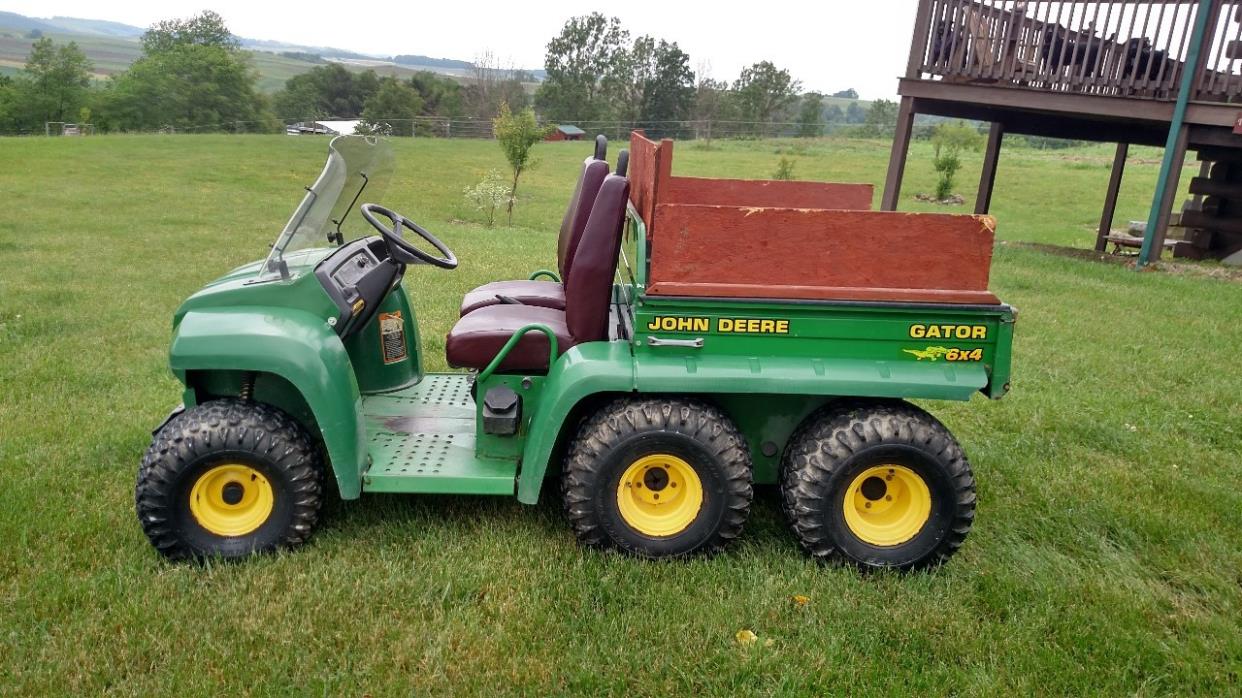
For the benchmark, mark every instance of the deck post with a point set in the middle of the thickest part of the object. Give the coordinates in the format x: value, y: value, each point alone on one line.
x: 1175, y: 147
x: 987, y: 178
x: 897, y: 159
x: 1171, y: 190
x: 1110, y: 199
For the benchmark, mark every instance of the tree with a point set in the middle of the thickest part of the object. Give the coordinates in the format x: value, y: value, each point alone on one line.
x: 833, y: 114
x: 55, y: 84
x: 763, y: 90
x: 577, y: 61
x: 8, y: 103
x: 855, y: 114
x: 881, y: 118
x: 810, y: 115
x: 205, y: 29
x: 192, y: 74
x: 325, y: 91
x: 651, y: 83
x: 490, y: 85
x: 851, y: 93
x: 442, y: 97
x: 711, y: 101
x: 517, y: 134
x: 669, y: 93
x: 395, y: 101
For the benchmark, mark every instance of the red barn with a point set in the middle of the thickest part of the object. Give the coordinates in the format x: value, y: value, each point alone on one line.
x: 566, y: 132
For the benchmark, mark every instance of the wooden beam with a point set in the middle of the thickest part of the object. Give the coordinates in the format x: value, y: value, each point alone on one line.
x: 897, y: 159
x: 987, y: 178
x: 1048, y: 101
x: 1205, y: 186
x: 1171, y: 191
x: 1071, y: 126
x: 1110, y: 198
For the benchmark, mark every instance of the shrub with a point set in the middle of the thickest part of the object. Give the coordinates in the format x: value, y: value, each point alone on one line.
x: 784, y: 169
x: 488, y: 195
x: 949, y: 139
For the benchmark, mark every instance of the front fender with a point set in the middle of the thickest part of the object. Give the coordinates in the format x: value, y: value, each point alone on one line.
x: 297, y: 346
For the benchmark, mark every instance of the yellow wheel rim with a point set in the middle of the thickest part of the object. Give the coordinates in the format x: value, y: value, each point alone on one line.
x: 659, y: 495
x: 887, y: 505
x: 231, y: 500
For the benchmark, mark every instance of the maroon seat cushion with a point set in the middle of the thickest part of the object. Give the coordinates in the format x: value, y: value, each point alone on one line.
x: 477, y: 338
x: 545, y: 294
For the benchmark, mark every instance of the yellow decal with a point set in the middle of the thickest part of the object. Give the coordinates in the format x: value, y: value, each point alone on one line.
x: 664, y: 323
x: 949, y: 331
x: 752, y: 326
x: 948, y: 354
x: 724, y: 325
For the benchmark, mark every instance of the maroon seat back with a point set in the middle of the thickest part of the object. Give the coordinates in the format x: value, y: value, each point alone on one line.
x: 588, y: 290
x: 575, y: 220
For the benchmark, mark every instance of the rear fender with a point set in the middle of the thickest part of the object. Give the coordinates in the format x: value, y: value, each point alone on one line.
x: 297, y: 346
x: 581, y: 372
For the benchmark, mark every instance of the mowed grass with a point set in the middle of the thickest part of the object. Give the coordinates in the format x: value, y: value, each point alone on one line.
x: 1105, y: 558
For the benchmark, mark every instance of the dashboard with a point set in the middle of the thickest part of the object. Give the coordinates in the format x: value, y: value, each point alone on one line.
x: 357, y: 277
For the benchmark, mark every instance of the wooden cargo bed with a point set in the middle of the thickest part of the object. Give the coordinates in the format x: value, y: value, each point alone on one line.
x: 799, y: 240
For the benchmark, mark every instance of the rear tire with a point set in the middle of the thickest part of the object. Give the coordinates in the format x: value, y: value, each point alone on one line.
x: 658, y: 478
x: 229, y: 478
x: 881, y: 484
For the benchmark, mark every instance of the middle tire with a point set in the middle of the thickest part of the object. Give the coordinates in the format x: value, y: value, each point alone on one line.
x: 658, y: 478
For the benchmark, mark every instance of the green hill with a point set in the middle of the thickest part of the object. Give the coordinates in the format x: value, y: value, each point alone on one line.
x: 112, y: 54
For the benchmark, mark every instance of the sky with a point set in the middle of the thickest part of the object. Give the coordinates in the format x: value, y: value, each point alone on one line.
x: 829, y: 45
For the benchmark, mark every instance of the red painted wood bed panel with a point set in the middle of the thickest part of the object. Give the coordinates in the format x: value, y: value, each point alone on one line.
x: 799, y: 240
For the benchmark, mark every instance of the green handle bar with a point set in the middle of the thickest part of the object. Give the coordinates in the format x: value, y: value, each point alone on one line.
x: 545, y: 272
x: 504, y: 351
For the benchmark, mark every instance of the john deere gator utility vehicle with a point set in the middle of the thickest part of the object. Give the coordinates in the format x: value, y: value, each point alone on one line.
x: 699, y: 337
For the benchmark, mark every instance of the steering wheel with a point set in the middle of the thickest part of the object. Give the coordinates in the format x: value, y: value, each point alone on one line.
x: 399, y: 248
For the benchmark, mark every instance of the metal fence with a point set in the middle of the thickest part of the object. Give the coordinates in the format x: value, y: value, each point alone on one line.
x: 440, y: 127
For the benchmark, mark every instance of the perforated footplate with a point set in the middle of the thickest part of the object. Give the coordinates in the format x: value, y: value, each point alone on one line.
x: 421, y: 439
x: 414, y: 453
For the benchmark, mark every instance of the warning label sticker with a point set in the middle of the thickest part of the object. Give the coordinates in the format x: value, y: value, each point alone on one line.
x: 392, y: 337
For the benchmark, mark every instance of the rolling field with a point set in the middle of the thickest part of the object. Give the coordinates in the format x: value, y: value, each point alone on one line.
x: 1105, y: 557
x: 112, y: 55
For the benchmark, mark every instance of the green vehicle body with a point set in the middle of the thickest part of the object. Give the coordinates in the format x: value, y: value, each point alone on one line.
x: 280, y: 335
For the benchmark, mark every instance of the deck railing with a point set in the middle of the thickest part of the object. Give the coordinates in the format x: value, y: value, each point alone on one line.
x: 1126, y: 48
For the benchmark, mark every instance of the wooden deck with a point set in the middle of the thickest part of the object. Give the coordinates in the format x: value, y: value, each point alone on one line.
x: 1094, y: 70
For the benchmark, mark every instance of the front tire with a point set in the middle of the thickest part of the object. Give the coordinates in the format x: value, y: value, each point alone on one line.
x: 658, y: 478
x: 226, y: 479
x: 881, y: 484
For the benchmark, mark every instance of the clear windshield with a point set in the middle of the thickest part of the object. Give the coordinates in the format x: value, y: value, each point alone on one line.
x: 357, y: 171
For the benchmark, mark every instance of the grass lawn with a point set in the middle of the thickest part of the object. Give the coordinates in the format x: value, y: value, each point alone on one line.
x: 1105, y: 558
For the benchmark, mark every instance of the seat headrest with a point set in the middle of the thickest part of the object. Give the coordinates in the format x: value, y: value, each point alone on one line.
x: 623, y: 162
x: 575, y: 220
x: 601, y: 147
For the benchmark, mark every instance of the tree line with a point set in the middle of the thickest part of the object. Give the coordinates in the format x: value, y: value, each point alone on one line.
x: 597, y: 72
x: 193, y: 75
